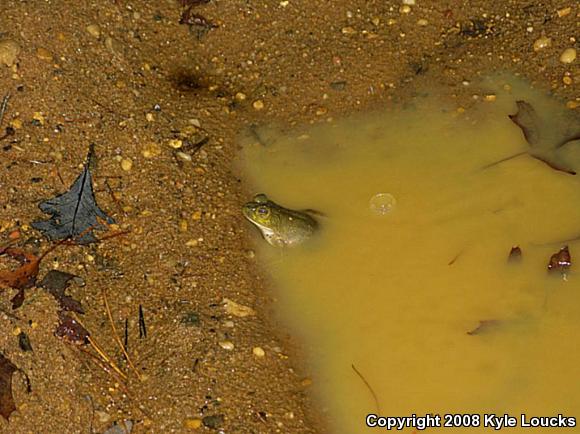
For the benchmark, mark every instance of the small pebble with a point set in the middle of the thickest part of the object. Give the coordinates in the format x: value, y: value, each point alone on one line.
x: 258, y: 104
x: 44, y: 54
x: 150, y: 117
x: 192, y: 423
x: 240, y: 96
x: 236, y: 309
x: 227, y: 345
x: 567, y: 80
x: 196, y: 215
x: 151, y: 150
x: 409, y: 2
x: 422, y: 22
x: 94, y: 30
x: 126, y: 164
x: 175, y: 143
x: 183, y: 156
x: 405, y: 9
x: 541, y: 43
x: 16, y: 124
x: 192, y: 243
x: 9, y: 51
x: 490, y: 98
x: 563, y: 12
x: 258, y: 352
x: 348, y: 31
x: 568, y: 55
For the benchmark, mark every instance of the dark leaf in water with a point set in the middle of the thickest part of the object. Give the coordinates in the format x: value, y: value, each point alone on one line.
x: 527, y: 119
x: 484, y: 326
x: 545, y: 137
x: 75, y: 214
x: 515, y: 254
x: 56, y: 282
x: 7, y: 405
x: 561, y: 260
x: 24, y: 342
x: 69, y: 328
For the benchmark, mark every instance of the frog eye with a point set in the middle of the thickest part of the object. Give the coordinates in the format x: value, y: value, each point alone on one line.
x: 263, y: 211
x: 260, y: 198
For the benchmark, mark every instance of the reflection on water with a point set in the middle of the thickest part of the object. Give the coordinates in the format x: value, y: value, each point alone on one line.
x: 409, y: 287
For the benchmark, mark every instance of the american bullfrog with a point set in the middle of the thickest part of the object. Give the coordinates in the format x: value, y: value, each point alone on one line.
x: 281, y: 227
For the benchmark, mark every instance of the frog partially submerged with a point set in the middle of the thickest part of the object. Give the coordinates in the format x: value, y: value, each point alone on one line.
x: 281, y: 227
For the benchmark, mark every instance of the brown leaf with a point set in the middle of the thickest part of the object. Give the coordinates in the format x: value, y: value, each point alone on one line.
x: 515, y: 254
x: 71, y: 329
x: 7, y: 405
x: 560, y: 261
x: 23, y: 277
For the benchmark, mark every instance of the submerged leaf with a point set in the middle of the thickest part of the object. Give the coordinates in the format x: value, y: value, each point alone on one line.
x: 7, y: 405
x: 23, y: 277
x: 56, y: 282
x: 546, y: 137
x: 484, y: 326
x: 527, y: 119
x: 515, y: 254
x: 74, y: 213
x: 69, y: 328
x: 560, y: 261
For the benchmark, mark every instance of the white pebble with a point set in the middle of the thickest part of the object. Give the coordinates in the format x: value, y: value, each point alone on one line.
x: 227, y: 345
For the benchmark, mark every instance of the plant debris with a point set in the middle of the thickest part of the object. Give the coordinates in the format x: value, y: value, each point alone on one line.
x: 74, y: 213
x: 7, y: 404
x: 544, y: 137
x: 515, y: 254
x: 24, y: 342
x: 484, y: 326
x: 560, y: 261
x: 196, y: 22
x: 23, y: 277
x: 56, y: 282
x: 70, y: 329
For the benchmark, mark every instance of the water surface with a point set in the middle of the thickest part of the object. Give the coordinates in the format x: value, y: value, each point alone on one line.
x: 396, y: 294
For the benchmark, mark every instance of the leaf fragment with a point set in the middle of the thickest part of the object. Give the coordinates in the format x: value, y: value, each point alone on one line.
x: 56, y: 282
x: 560, y: 261
x: 75, y: 213
x: 7, y: 404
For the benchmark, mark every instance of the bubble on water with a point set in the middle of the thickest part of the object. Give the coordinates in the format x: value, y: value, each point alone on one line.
x: 382, y: 203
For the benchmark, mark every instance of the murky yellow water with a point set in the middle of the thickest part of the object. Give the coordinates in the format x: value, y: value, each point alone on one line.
x: 395, y: 295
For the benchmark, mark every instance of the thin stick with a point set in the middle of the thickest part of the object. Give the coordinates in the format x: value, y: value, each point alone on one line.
x: 487, y: 166
x: 368, y: 387
x: 100, y: 351
x: 142, y: 328
x: 4, y: 106
x: 116, y: 336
